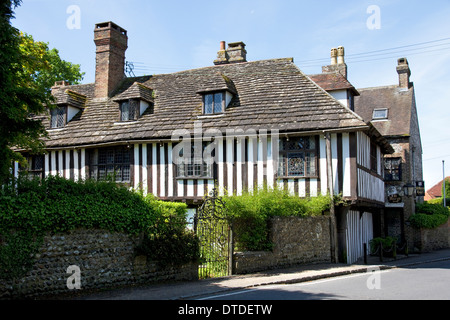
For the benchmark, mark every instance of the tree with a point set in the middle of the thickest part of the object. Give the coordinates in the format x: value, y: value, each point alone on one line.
x: 447, y: 189
x: 45, y: 66
x: 28, y: 69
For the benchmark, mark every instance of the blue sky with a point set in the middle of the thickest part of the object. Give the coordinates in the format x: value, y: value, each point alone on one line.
x: 168, y: 36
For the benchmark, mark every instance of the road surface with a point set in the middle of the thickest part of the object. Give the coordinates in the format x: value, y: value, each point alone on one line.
x: 429, y: 281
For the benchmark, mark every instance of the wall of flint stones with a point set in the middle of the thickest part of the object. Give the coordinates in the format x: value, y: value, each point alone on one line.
x: 427, y: 240
x: 295, y: 241
x: 104, y: 259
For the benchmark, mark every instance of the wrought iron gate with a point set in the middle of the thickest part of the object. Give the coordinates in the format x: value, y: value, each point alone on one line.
x: 215, y: 234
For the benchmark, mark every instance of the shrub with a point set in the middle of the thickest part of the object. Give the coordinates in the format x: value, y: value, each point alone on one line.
x: 387, y: 243
x: 167, y: 241
x: 429, y: 215
x: 251, y: 213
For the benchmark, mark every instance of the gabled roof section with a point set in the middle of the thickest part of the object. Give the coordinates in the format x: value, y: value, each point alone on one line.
x: 71, y: 98
x: 333, y: 81
x: 398, y: 101
x: 218, y: 82
x: 269, y: 94
x: 136, y: 91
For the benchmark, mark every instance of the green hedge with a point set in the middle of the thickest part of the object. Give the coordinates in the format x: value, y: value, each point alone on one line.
x: 429, y: 215
x: 56, y: 205
x: 252, y: 211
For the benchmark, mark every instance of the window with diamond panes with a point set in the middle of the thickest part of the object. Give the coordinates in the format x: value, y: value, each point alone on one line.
x: 111, y: 164
x: 297, y: 157
x: 58, y: 117
x: 193, y: 165
x: 213, y: 103
x: 129, y: 110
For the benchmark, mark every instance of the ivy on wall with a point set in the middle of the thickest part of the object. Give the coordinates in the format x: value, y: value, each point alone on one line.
x: 56, y: 205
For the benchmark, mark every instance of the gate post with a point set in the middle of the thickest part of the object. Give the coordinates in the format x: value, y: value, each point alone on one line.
x: 230, y: 249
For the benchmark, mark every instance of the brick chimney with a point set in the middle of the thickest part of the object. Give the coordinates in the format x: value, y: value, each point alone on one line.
x: 111, y: 42
x: 337, y: 62
x: 235, y: 53
x: 404, y: 73
x: 222, y: 57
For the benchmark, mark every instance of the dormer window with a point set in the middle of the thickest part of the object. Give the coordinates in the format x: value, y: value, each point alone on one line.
x: 58, y: 117
x: 69, y: 104
x: 132, y: 109
x: 217, y: 94
x: 129, y: 110
x: 214, y: 103
x: 134, y: 101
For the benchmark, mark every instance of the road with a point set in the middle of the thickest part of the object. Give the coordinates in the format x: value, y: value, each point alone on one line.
x: 429, y: 281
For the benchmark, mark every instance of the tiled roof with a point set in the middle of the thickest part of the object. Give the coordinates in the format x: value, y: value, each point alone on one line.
x: 333, y: 81
x: 436, y: 190
x: 136, y: 91
x: 269, y: 94
x: 70, y: 97
x: 399, y: 103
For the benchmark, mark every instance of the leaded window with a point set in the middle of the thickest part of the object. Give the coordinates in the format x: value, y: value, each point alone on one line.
x: 297, y: 157
x: 129, y: 110
x: 194, y: 165
x: 35, y: 167
x: 58, y: 117
x: 213, y: 103
x: 393, y: 169
x: 111, y: 164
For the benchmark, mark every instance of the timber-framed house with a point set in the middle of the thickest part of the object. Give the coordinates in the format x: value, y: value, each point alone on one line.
x: 261, y: 122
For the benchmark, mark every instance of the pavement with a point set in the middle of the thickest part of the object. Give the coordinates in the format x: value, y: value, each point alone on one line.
x: 195, y: 289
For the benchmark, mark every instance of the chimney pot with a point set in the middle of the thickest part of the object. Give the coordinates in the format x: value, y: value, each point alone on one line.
x: 334, y: 53
x: 222, y: 56
x: 338, y: 64
x: 341, y: 54
x: 58, y: 85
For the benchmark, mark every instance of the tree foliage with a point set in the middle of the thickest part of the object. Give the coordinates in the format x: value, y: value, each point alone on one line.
x: 447, y: 189
x: 28, y: 69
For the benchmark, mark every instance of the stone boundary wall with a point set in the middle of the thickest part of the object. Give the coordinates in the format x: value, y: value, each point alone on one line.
x: 433, y: 239
x: 295, y: 241
x: 105, y: 260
